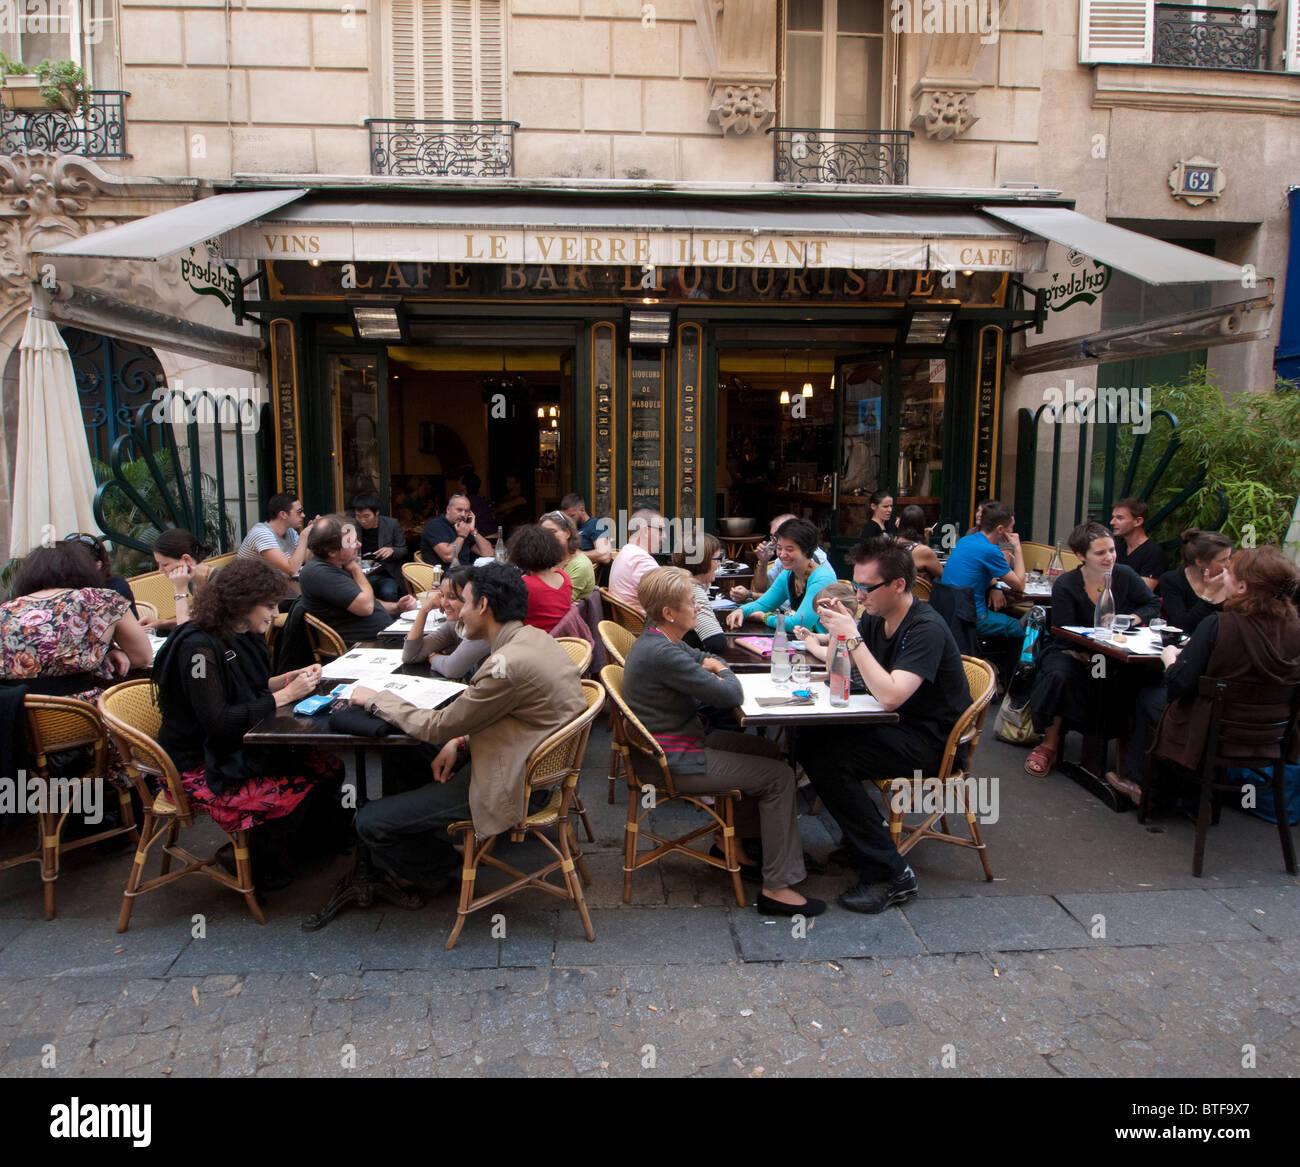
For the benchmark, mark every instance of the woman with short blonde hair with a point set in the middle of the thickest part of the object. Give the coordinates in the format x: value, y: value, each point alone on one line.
x: 664, y: 683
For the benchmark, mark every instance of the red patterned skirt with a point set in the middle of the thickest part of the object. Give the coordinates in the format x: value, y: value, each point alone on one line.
x: 271, y: 796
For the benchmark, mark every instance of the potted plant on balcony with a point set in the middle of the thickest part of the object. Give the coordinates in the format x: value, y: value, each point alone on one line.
x: 22, y: 88
x: 63, y: 84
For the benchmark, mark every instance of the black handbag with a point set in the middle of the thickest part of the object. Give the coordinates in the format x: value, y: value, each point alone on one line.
x: 354, y: 720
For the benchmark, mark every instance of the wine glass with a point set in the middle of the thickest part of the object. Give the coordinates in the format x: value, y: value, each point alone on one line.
x: 800, y: 672
x: 1123, y: 621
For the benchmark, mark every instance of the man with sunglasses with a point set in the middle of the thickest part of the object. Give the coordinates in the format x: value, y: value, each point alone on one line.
x: 906, y: 654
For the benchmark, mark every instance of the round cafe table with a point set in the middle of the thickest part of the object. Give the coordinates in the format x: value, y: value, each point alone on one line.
x: 738, y: 546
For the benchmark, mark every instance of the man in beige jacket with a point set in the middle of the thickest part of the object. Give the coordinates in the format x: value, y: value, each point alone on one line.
x: 524, y: 691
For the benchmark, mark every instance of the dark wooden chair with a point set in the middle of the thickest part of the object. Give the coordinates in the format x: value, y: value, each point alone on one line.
x: 1251, y: 726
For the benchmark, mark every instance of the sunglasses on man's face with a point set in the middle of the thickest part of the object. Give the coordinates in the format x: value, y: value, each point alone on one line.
x: 867, y: 589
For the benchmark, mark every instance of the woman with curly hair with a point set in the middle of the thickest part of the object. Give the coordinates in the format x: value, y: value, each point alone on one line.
x: 66, y: 633
x: 214, y: 684
x: 537, y: 553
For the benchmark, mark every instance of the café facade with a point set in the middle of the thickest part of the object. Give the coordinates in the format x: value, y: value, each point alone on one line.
x: 707, y: 349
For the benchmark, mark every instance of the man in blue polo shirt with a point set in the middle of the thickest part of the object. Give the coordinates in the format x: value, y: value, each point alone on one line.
x: 977, y: 561
x: 594, y: 541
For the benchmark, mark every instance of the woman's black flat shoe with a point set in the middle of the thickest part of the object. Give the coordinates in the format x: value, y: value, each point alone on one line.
x: 749, y: 872
x: 810, y: 907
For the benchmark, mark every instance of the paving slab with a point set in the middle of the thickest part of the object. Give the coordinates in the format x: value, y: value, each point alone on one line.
x: 1001, y: 924
x: 241, y: 945
x: 72, y: 947
x: 650, y: 936
x: 836, y: 935
x: 1275, y: 911
x: 11, y: 928
x: 1158, y: 917
x: 417, y: 940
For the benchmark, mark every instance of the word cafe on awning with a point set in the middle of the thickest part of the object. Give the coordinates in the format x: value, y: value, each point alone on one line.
x: 708, y: 350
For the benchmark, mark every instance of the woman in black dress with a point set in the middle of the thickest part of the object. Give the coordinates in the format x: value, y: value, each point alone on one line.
x: 1195, y: 591
x: 881, y: 503
x: 1062, y: 690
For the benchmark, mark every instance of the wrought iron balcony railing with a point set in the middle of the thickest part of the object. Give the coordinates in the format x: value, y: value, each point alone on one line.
x: 872, y: 157
x: 1199, y: 37
x: 97, y: 131
x: 472, y: 149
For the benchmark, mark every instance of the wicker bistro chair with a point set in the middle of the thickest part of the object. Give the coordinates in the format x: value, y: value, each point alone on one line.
x: 326, y: 644
x: 55, y: 724
x: 1251, y: 726
x: 617, y: 641
x: 147, y: 611
x: 157, y: 589
x: 982, y: 679
x: 419, y: 577
x: 580, y: 653
x: 217, y: 562
x: 133, y: 719
x: 555, y: 765
x: 631, y: 737
x: 622, y: 614
x: 921, y: 589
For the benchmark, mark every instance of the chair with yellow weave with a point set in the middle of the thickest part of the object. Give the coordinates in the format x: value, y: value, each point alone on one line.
x: 981, y: 677
x: 622, y: 614
x: 133, y: 718
x: 55, y: 725
x: 145, y: 611
x: 617, y: 641
x: 156, y: 588
x: 632, y: 738
x: 217, y: 562
x: 420, y: 577
x: 554, y: 765
x: 580, y: 653
x: 326, y: 644
x: 921, y: 588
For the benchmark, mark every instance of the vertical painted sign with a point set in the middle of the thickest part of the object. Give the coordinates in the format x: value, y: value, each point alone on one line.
x: 645, y: 430
x: 602, y: 420
x: 988, y: 404
x: 284, y: 379
x: 689, y: 349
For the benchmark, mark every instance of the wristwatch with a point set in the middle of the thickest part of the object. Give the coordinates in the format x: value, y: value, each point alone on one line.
x: 852, y: 642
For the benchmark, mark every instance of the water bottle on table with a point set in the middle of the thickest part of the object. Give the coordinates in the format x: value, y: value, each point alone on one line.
x: 780, y: 652
x: 837, y: 673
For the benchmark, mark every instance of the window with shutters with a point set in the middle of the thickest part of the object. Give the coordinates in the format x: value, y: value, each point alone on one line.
x: 1194, y: 34
x: 446, y: 59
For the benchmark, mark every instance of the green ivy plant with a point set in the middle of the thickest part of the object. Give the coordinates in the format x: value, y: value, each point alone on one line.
x: 10, y: 67
x: 1249, y: 447
x: 62, y: 78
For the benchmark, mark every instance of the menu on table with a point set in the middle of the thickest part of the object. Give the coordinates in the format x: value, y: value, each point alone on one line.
x: 422, y: 692
x: 360, y: 663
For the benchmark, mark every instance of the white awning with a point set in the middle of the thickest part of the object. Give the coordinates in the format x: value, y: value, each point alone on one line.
x: 166, y: 233
x: 1153, y: 261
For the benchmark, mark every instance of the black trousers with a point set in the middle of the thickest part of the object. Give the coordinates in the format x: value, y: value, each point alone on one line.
x: 839, y: 760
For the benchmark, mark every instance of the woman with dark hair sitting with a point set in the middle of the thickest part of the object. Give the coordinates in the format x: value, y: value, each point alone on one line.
x: 65, y: 633
x: 797, y: 586
x: 538, y: 555
x: 1063, y: 688
x: 1255, y: 638
x: 912, y: 535
x: 574, y: 564
x: 214, y: 684
x: 449, y: 654
x: 179, y: 556
x: 1199, y: 588
x: 881, y: 504
x: 702, y: 562
x: 104, y: 565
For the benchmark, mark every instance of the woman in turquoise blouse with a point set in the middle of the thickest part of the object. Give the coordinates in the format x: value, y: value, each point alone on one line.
x: 797, y: 585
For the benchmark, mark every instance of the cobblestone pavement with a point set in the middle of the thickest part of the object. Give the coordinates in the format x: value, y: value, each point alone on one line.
x: 1095, y: 953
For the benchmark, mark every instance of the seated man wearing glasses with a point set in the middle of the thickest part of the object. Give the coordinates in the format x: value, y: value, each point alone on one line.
x: 906, y: 654
x: 645, y: 536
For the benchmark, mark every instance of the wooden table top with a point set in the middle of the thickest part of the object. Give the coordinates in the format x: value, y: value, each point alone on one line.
x: 862, y: 709
x: 1122, y: 652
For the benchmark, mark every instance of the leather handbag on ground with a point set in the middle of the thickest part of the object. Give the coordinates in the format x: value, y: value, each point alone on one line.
x: 356, y: 721
x: 1016, y: 725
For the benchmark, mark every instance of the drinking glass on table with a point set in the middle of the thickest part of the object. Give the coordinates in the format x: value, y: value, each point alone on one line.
x: 1156, y: 624
x: 1123, y: 621
x: 800, y: 671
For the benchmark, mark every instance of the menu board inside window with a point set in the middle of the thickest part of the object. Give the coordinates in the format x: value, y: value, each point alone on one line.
x: 602, y: 421
x: 645, y: 423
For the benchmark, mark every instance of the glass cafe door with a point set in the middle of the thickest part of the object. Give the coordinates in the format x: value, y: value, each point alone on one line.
x: 865, y: 395
x: 357, y: 385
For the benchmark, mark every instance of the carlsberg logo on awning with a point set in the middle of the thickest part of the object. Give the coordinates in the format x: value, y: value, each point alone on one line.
x: 1083, y: 285
x: 206, y: 274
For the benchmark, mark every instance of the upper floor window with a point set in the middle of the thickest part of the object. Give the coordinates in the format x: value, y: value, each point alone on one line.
x: 834, y: 64
x: 1195, y: 34
x: 446, y: 58
x: 32, y: 31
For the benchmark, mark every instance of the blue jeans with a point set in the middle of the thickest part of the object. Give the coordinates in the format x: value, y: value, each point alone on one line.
x: 385, y: 587
x: 1000, y: 624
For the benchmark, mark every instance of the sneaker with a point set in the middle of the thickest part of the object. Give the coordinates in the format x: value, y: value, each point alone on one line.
x: 874, y: 898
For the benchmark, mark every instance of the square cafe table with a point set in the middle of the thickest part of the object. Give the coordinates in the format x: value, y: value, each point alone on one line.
x: 862, y: 709
x: 1141, y: 648
x: 362, y: 759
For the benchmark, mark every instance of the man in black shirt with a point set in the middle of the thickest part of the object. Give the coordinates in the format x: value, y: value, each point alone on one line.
x: 1133, y: 547
x: 906, y: 654
x: 335, y: 589
x: 383, y: 542
x: 453, y: 537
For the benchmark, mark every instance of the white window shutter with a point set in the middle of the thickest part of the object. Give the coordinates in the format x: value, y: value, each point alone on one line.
x: 433, y: 60
x: 1293, y: 37
x: 463, y: 89
x: 1116, y: 31
x: 492, y: 59
x: 403, y: 34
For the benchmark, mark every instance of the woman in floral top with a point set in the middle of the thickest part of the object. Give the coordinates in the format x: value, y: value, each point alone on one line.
x: 66, y: 634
